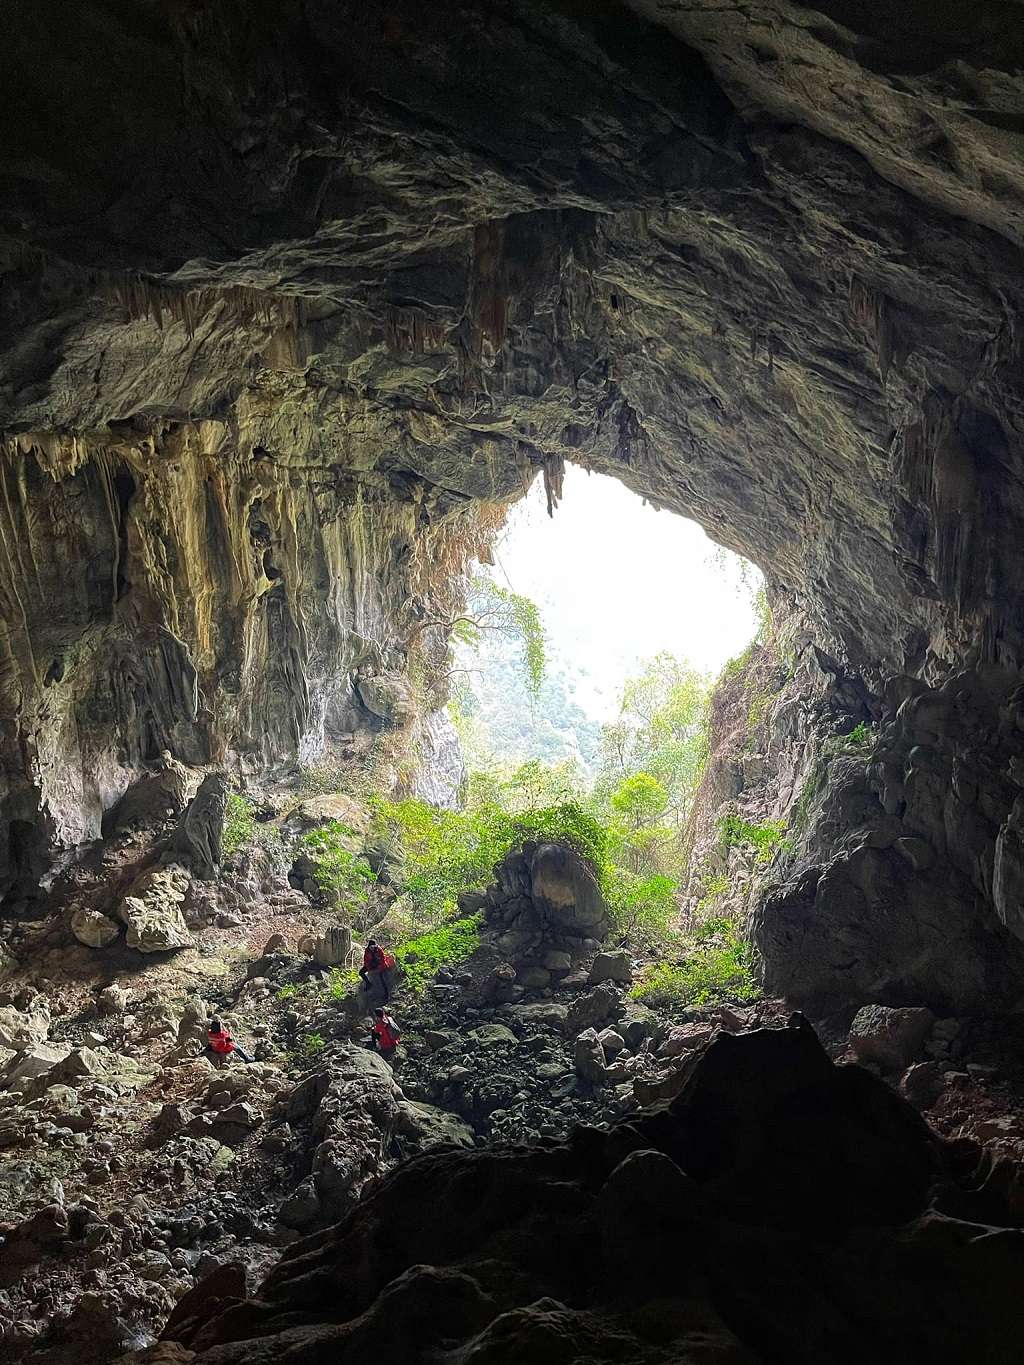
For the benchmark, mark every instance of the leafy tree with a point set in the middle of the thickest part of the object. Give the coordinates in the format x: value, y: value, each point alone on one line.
x: 494, y: 608
x: 659, y: 731
x: 642, y: 905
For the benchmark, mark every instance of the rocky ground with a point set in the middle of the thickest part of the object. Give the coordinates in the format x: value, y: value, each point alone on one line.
x: 132, y: 1169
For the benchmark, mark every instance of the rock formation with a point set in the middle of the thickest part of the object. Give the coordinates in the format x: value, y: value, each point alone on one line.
x: 747, y: 1221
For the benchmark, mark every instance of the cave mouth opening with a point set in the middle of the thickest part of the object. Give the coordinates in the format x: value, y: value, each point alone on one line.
x: 598, y: 633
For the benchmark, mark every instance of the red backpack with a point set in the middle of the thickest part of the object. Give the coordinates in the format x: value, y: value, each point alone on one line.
x: 387, y: 962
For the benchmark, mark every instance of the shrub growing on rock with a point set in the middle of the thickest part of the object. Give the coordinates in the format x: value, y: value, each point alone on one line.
x: 449, y: 944
x: 715, y: 971
x: 337, y: 870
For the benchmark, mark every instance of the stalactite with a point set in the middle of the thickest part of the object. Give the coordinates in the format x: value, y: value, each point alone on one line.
x: 553, y: 471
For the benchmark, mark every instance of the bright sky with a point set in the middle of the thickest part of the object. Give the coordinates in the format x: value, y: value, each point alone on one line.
x: 617, y: 581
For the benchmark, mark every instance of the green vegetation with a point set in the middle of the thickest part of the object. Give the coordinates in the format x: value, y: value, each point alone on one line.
x: 765, y: 838
x: 446, y: 946
x: 242, y: 829
x: 340, y: 981
x: 288, y: 992
x: 660, y: 733
x: 720, y: 969
x: 714, y: 889
x: 340, y: 873
x: 307, y: 1049
x: 642, y: 906
x: 494, y: 608
x: 444, y: 852
x: 239, y: 824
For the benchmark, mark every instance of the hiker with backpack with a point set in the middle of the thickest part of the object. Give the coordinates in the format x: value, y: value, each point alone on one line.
x: 379, y: 963
x: 220, y: 1042
x: 384, y: 1035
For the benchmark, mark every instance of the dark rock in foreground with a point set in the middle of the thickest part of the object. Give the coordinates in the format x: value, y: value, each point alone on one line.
x: 779, y: 1209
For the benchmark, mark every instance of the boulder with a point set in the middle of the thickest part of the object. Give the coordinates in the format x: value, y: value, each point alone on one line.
x: 24, y: 1028
x: 152, y: 910
x: 611, y: 967
x: 588, y: 1058
x: 534, y: 978
x: 154, y: 797
x: 492, y: 1035
x: 335, y: 808
x: 30, y: 1062
x: 612, y: 1042
x: 686, y: 1038
x: 112, y: 1000
x: 922, y: 1084
x: 891, y: 1038
x: 93, y: 928
x: 557, y: 961
x: 334, y: 947
x: 429, y: 1127
x: 602, y: 1005
x: 388, y: 695
x: 549, y: 1013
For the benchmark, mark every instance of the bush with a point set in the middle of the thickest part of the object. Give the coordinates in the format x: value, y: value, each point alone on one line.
x: 642, y: 905
x: 243, y: 830
x: 445, y: 946
x: 715, y: 972
x: 765, y: 838
x: 336, y: 869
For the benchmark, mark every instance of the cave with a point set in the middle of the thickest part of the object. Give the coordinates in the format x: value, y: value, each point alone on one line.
x: 296, y: 302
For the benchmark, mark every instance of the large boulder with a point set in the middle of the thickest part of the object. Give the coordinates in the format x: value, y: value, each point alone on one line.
x: 324, y: 810
x: 333, y: 948
x: 546, y: 911
x: 21, y: 1029
x: 564, y: 886
x: 389, y: 696
x: 611, y: 967
x: 890, y: 1038
x: 426, y: 1127
x: 154, y: 797
x: 603, y: 1005
x: 93, y: 928
x: 152, y: 910
x: 30, y: 1062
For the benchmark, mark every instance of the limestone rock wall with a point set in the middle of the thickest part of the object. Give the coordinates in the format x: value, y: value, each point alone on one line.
x: 177, y: 592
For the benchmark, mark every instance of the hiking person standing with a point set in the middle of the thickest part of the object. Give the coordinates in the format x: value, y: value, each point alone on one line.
x: 379, y: 963
x: 384, y: 1035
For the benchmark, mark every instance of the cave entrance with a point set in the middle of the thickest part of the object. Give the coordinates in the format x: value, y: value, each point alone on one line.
x: 638, y: 614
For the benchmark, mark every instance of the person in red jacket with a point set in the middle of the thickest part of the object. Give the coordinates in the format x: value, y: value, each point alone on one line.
x: 375, y: 960
x: 384, y: 1036
x: 221, y: 1043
